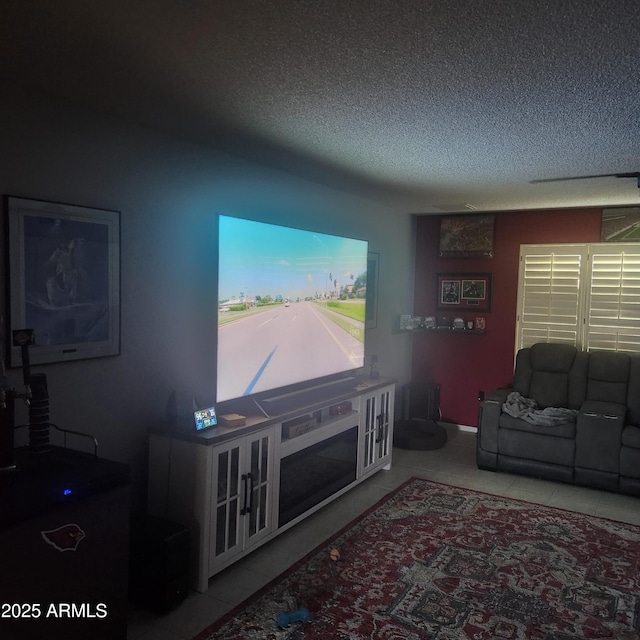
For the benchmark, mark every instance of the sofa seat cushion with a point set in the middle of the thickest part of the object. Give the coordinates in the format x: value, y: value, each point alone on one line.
x: 566, y: 430
x: 521, y: 439
x: 631, y: 436
x: 536, y: 446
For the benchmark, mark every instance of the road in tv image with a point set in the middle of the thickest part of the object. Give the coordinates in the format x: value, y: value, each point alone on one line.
x: 286, y: 343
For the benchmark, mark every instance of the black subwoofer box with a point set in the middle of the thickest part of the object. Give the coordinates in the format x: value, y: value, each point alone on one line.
x: 158, y: 563
x: 421, y: 400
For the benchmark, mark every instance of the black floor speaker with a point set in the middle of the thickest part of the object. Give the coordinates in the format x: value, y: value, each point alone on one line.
x: 158, y: 563
x: 421, y: 400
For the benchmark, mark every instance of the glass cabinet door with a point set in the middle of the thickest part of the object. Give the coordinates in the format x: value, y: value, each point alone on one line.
x: 384, y: 418
x: 259, y: 477
x: 370, y: 426
x: 242, y: 474
x: 376, y: 428
x: 228, y: 499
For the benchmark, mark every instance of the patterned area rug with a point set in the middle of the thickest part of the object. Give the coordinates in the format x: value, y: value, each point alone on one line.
x: 440, y: 562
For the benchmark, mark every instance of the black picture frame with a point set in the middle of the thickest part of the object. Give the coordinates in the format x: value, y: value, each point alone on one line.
x: 620, y: 224
x: 373, y: 272
x: 63, y: 280
x: 466, y: 236
x: 464, y: 291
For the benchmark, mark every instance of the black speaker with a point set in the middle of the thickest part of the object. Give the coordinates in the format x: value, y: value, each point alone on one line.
x: 158, y: 563
x: 421, y: 400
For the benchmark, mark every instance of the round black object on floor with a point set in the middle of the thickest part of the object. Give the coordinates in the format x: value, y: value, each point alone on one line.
x: 420, y: 435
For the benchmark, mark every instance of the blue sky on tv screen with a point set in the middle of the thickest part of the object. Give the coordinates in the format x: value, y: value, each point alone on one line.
x: 258, y: 259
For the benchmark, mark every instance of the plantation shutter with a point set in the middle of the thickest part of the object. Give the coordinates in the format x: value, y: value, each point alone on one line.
x: 613, y: 316
x: 586, y: 295
x: 549, y: 294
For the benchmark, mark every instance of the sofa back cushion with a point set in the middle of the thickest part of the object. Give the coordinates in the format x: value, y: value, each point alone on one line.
x: 554, y: 375
x: 522, y: 372
x: 608, y: 378
x: 555, y: 358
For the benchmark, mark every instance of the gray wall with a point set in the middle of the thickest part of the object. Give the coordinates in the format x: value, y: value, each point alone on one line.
x: 168, y: 192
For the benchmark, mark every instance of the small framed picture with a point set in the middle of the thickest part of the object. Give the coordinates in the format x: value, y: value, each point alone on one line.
x: 406, y: 322
x: 464, y: 291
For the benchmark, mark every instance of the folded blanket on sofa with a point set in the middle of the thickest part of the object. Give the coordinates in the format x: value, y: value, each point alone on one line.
x: 526, y: 409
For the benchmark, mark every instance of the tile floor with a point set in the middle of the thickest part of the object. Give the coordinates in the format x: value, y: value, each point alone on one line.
x: 454, y: 464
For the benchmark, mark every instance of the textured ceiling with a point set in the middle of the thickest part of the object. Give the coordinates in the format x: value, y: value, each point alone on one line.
x: 425, y: 105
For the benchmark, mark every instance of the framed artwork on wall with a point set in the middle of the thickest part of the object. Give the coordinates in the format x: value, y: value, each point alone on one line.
x: 63, y: 280
x: 466, y: 236
x: 373, y: 268
x: 464, y: 291
x: 621, y: 224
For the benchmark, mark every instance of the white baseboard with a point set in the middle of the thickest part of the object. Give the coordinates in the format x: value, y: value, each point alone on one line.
x: 460, y: 427
x: 464, y: 427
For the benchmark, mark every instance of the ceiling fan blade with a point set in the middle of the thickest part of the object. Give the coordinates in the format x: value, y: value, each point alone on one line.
x: 633, y: 174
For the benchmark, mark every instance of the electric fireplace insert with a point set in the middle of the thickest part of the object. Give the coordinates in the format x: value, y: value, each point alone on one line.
x: 313, y: 474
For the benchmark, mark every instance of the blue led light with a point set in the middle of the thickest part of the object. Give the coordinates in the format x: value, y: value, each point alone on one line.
x: 66, y: 492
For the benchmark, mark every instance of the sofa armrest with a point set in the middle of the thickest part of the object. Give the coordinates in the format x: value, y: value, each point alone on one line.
x: 599, y: 436
x: 489, y: 419
x: 498, y: 395
x: 607, y: 410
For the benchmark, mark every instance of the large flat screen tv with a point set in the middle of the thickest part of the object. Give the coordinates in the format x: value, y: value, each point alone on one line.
x: 291, y: 306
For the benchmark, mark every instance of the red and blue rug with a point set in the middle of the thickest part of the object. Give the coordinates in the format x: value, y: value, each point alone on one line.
x: 444, y: 563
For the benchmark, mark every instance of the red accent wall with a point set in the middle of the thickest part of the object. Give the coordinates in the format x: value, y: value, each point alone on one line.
x: 462, y: 364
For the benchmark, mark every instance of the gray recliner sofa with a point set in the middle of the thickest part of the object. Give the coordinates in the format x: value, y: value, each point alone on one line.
x: 584, y: 427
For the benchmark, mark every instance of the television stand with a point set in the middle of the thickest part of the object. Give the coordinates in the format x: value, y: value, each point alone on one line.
x: 236, y: 488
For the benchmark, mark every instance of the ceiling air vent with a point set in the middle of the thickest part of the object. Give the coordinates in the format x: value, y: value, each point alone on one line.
x: 455, y: 207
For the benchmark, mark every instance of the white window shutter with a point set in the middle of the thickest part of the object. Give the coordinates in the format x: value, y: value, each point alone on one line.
x: 613, y: 317
x: 549, y: 303
x: 587, y: 295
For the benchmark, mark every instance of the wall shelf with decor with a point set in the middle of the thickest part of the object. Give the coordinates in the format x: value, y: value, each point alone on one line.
x: 430, y: 324
x: 475, y: 332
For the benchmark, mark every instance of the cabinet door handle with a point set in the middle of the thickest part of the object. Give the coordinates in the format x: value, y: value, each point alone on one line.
x: 250, y: 477
x: 243, y: 511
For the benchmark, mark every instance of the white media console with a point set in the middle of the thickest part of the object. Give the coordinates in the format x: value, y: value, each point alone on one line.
x: 235, y: 488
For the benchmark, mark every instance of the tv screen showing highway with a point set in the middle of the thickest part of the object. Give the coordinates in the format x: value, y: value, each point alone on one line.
x: 291, y: 306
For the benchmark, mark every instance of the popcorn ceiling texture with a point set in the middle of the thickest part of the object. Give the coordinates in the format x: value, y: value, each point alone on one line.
x: 421, y: 104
